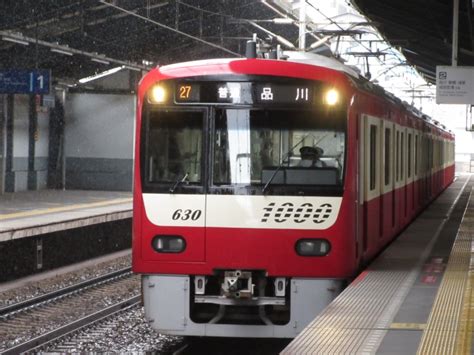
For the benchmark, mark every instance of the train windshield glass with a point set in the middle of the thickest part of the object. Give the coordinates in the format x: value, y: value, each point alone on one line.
x: 174, y: 147
x: 278, y: 147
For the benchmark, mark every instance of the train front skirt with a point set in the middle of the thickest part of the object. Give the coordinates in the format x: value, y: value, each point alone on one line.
x: 169, y: 300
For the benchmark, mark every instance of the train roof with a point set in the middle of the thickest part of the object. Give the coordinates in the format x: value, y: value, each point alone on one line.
x: 307, y: 59
x: 290, y: 56
x: 320, y: 61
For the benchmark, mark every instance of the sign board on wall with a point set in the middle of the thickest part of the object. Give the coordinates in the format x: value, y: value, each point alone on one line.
x: 454, y: 85
x: 20, y: 81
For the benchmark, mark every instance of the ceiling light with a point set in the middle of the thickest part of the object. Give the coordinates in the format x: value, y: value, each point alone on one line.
x: 131, y: 68
x: 14, y: 40
x: 283, y: 21
x: 60, y: 51
x: 100, y: 75
x: 102, y: 61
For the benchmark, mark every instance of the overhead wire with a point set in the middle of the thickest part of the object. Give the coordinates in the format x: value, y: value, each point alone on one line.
x: 170, y: 28
x: 341, y: 28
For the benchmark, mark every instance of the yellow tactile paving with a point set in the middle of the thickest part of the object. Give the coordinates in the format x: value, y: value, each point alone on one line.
x: 64, y: 208
x: 408, y: 326
x: 359, y: 319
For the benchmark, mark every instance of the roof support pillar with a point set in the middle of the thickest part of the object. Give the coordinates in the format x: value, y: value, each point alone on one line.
x: 454, y: 58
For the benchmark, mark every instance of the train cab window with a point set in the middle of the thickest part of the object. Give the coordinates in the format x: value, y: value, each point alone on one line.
x: 173, y: 148
x: 253, y: 147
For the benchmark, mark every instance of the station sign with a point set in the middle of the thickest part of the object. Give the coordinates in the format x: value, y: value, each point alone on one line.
x: 22, y: 81
x: 454, y: 85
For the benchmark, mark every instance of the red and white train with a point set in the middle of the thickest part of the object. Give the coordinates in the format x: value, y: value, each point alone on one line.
x: 232, y: 234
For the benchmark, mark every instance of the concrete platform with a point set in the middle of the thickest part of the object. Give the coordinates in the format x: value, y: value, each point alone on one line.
x: 415, y: 298
x: 32, y: 213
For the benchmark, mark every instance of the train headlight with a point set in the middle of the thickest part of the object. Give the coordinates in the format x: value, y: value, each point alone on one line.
x: 168, y: 244
x: 157, y: 94
x: 331, y: 97
x: 312, y: 247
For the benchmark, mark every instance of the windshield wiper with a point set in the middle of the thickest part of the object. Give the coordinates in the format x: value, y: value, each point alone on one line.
x: 286, y: 156
x: 272, y: 177
x: 178, y: 182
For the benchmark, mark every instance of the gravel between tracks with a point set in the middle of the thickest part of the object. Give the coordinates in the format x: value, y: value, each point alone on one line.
x: 37, y: 288
x: 127, y: 332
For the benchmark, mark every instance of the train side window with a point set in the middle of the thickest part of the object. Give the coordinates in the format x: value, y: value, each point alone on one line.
x: 402, y: 157
x: 387, y: 156
x: 409, y: 140
x: 416, y: 154
x: 373, y: 156
x: 397, y: 157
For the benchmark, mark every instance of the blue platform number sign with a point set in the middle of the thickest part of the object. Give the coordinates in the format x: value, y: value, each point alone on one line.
x: 19, y: 81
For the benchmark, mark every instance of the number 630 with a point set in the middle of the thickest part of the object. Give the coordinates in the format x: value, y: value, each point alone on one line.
x: 184, y: 215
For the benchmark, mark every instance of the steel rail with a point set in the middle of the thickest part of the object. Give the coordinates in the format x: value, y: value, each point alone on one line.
x: 73, y: 326
x: 64, y: 292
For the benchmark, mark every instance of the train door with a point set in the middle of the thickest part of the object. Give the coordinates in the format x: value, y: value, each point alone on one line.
x: 387, y: 211
x: 360, y: 176
x: 371, y: 183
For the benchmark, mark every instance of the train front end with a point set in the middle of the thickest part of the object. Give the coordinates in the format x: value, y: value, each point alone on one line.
x: 233, y: 235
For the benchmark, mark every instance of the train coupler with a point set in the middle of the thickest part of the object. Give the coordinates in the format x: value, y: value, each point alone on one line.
x: 238, y: 284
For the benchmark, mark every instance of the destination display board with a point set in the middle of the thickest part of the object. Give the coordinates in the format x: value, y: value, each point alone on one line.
x: 244, y: 93
x: 23, y: 81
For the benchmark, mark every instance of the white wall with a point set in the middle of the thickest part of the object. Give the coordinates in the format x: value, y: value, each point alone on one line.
x: 42, y: 150
x: 99, y: 141
x: 20, y: 141
x: 100, y: 126
x: 20, y: 126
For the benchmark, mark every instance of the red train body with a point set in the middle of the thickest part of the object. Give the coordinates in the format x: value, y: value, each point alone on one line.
x: 233, y: 236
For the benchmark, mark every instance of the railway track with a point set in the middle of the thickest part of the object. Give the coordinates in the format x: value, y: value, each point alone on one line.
x: 32, y: 323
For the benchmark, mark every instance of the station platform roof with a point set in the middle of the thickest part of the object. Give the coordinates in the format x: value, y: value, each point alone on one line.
x: 79, y: 38
x: 423, y: 30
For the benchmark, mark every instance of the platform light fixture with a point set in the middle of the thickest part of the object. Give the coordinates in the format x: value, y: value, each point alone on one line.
x: 100, y: 75
x: 98, y: 60
x: 60, y: 51
x: 131, y: 68
x: 15, y: 40
x: 283, y: 21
